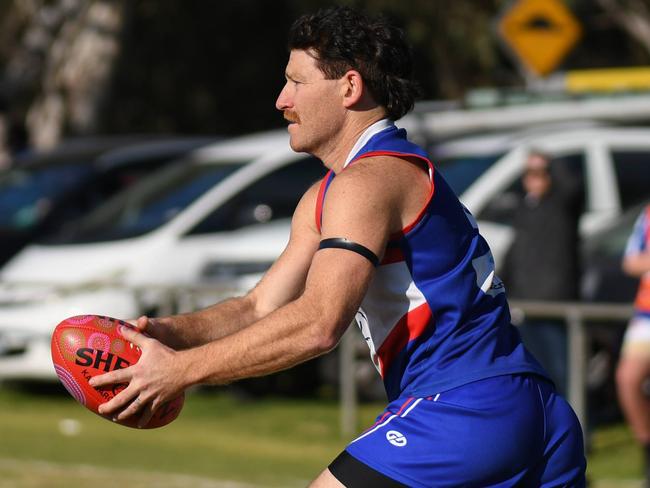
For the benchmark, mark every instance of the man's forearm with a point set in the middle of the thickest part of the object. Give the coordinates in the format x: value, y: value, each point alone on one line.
x: 284, y: 338
x: 197, y: 328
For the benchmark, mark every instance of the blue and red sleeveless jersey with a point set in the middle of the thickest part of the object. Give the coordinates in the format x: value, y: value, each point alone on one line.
x: 435, y: 315
x: 638, y: 243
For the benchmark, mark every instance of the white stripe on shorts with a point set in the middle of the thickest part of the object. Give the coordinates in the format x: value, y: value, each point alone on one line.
x: 411, y: 407
x: 379, y: 426
x: 375, y: 428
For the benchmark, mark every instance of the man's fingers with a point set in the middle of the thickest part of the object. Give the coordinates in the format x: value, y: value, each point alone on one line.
x: 134, y: 407
x: 117, y: 376
x: 147, y: 413
x: 142, y: 323
x: 119, y: 401
x: 133, y: 335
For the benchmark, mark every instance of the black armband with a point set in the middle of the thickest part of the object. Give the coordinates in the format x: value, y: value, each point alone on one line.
x: 341, y: 243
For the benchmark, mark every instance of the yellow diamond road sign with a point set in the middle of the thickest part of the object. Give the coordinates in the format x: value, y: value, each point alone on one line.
x: 540, y: 32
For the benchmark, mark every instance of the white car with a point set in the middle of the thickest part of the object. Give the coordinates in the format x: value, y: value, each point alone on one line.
x: 612, y: 163
x: 225, y: 212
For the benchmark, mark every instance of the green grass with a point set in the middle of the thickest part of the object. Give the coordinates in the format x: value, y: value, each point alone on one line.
x: 270, y: 442
x: 614, y: 455
x: 273, y: 442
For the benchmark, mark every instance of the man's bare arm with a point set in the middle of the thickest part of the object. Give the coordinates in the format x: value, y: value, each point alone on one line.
x: 364, y: 207
x: 283, y: 282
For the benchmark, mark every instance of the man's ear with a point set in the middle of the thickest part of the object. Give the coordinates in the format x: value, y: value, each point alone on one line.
x: 352, y: 88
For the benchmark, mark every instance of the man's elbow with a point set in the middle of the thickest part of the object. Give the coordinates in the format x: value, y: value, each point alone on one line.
x: 325, y: 334
x: 325, y: 342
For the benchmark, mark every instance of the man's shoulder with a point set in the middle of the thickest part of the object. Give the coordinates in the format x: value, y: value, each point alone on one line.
x: 385, y: 170
x: 367, y: 183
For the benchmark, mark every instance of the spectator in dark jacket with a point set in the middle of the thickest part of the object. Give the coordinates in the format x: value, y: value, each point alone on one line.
x: 543, y: 262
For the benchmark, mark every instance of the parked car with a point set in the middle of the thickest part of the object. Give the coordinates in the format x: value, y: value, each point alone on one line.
x: 225, y: 209
x: 46, y: 190
x: 602, y: 254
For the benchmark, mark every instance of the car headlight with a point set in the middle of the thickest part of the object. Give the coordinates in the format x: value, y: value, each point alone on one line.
x: 14, y: 342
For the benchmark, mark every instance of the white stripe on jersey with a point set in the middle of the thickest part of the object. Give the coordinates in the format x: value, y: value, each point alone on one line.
x: 391, y: 295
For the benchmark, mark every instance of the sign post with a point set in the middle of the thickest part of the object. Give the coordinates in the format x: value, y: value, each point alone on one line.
x: 539, y: 33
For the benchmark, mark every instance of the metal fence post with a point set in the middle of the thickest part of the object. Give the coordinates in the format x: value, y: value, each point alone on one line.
x: 577, y: 361
x: 347, y: 383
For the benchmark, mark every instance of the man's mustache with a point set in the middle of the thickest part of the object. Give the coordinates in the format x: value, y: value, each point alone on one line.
x: 291, y: 117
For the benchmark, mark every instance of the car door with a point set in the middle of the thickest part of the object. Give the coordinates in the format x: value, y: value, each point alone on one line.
x: 631, y: 169
x: 247, y: 232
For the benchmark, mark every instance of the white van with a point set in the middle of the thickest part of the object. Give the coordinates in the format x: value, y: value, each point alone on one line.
x: 226, y: 209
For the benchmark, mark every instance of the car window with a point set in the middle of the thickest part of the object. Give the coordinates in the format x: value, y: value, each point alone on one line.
x: 632, y: 170
x: 272, y: 197
x: 147, y: 205
x: 27, y: 196
x: 461, y: 171
x: 502, y: 207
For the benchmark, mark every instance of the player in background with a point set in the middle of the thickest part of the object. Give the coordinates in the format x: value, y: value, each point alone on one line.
x: 384, y: 238
x: 634, y: 364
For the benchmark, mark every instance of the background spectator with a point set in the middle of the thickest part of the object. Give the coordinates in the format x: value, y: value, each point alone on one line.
x: 543, y: 261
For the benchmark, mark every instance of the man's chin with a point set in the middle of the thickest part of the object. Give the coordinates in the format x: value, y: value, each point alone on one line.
x: 295, y: 146
x: 294, y: 140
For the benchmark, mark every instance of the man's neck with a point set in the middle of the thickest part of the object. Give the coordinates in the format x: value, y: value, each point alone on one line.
x: 336, y: 154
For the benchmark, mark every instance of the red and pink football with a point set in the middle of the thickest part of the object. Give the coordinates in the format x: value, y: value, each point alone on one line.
x: 90, y: 345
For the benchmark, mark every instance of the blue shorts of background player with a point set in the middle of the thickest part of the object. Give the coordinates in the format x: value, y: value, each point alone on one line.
x: 511, y: 430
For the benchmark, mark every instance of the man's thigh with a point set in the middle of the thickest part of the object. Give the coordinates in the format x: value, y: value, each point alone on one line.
x: 326, y: 480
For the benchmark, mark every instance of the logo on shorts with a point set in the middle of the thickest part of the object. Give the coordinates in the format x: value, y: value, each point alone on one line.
x: 396, y: 438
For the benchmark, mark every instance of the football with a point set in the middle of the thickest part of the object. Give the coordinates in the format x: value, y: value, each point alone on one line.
x: 90, y: 345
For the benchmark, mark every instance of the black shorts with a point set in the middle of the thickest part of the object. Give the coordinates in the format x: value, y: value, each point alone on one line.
x: 354, y: 474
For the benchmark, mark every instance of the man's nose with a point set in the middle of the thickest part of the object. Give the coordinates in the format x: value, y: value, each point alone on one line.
x: 283, y: 102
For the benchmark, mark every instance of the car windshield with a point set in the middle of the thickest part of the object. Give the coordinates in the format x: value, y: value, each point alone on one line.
x: 461, y: 171
x: 146, y: 206
x: 26, y: 195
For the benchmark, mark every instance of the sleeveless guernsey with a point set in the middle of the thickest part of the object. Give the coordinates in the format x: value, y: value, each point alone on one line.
x: 435, y: 315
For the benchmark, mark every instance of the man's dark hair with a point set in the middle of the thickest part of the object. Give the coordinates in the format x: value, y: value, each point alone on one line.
x: 342, y: 38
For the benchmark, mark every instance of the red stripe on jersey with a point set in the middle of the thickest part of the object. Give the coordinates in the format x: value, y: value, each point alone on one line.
x: 392, y: 255
x: 410, y: 327
x: 321, y: 198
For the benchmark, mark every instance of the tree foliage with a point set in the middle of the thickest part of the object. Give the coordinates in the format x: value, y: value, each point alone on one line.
x: 217, y: 66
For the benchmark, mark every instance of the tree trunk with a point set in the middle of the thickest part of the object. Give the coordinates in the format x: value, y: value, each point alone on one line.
x: 76, y: 68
